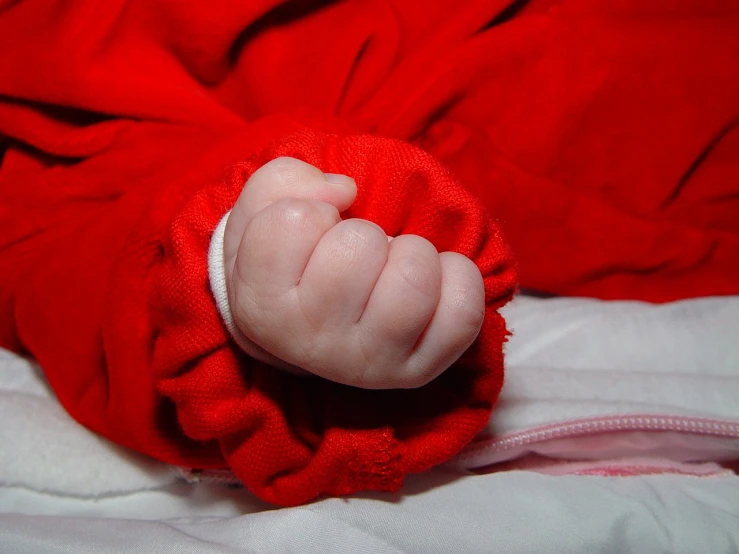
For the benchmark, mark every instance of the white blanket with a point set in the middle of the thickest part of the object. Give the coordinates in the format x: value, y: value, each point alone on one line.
x: 512, y: 512
x: 570, y: 361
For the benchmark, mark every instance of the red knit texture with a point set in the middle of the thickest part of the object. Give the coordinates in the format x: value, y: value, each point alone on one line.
x: 601, y: 136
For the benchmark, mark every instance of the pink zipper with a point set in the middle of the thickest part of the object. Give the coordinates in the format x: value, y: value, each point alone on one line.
x: 603, y: 424
x: 486, y: 446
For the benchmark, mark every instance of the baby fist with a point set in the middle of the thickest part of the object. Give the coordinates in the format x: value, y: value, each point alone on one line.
x: 337, y: 298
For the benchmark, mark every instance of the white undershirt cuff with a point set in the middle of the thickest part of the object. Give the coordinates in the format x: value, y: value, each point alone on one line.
x: 217, y: 276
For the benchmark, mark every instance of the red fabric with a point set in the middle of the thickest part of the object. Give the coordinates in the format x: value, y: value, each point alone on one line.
x: 601, y: 135
x: 105, y: 282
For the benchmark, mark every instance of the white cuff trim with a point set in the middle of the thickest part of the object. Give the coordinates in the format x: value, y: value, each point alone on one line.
x: 217, y: 276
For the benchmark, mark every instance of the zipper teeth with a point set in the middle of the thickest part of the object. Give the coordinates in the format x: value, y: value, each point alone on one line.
x: 698, y: 426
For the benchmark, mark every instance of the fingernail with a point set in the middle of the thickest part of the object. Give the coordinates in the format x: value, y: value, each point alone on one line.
x: 339, y: 179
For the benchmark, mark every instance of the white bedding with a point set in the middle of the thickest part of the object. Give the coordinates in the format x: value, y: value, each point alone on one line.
x: 670, y: 372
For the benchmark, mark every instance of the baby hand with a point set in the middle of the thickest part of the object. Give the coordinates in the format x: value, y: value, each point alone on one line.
x: 339, y: 299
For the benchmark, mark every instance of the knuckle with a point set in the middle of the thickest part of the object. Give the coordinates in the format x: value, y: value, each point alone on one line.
x: 281, y: 175
x: 355, y: 238
x: 412, y: 269
x: 467, y: 307
x: 284, y: 170
x: 370, y: 233
x: 288, y: 171
x: 417, y: 264
x: 295, y: 215
x: 293, y: 210
x: 466, y: 296
x: 419, y: 244
x: 418, y: 273
x: 351, y: 240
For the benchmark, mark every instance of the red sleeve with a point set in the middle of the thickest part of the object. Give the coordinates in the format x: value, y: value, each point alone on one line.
x: 103, y: 279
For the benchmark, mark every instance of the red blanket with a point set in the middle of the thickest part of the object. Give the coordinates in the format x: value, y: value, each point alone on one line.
x: 601, y: 136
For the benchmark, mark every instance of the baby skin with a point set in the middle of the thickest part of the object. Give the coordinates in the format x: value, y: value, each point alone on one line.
x: 339, y: 299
